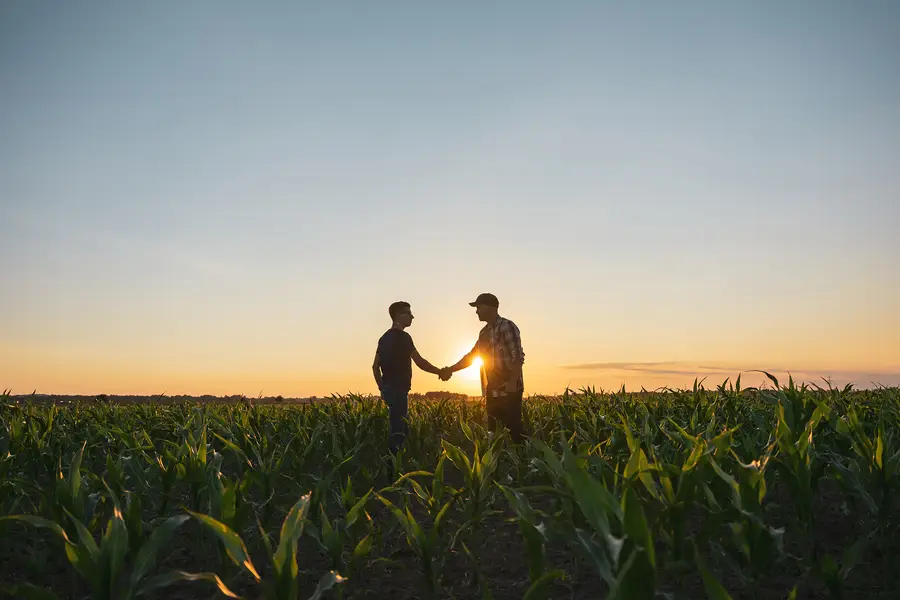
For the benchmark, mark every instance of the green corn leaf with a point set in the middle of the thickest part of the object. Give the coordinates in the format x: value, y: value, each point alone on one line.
x: 600, y: 558
x: 534, y: 550
x: 328, y: 581
x: 85, y: 564
x: 714, y: 589
x: 234, y: 448
x: 550, y: 458
x: 437, y: 484
x: 519, y: 503
x: 291, y: 530
x: 419, y: 490
x: 267, y: 541
x: 534, y: 538
x: 636, y: 527
x: 75, y: 471
x: 363, y: 548
x: 418, y: 534
x: 439, y: 519
x: 631, y: 583
x: 399, y: 514
x: 330, y: 536
x: 539, y: 590
x: 85, y: 537
x: 234, y: 545
x: 358, y: 508
x: 594, y: 500
x: 39, y: 522
x: 694, y: 458
x: 159, y: 539
x: 459, y: 460
x: 115, y: 544
x: 639, y: 467
x: 879, y: 447
x: 201, y: 454
x: 830, y: 575
x: 167, y: 579
x: 133, y: 521
x: 412, y: 474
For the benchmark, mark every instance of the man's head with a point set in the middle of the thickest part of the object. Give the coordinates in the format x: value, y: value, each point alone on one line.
x: 401, y: 314
x: 486, y: 306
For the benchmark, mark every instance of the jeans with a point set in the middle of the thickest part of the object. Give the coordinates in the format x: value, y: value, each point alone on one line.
x: 505, y: 409
x: 397, y: 400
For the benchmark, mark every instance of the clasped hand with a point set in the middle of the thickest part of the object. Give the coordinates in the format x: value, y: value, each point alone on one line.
x: 445, y: 374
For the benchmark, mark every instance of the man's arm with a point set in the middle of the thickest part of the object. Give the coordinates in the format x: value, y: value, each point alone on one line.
x: 376, y: 370
x: 465, y: 361
x: 424, y: 364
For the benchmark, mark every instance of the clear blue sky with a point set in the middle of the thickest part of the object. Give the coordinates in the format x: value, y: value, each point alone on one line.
x: 225, y: 196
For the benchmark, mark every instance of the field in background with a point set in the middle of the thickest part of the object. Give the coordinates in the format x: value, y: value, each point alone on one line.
x: 722, y: 493
x: 62, y: 399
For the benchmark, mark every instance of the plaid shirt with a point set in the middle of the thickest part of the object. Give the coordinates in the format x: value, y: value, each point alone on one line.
x: 500, y: 348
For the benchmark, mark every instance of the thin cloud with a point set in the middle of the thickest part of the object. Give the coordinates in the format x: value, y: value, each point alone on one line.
x: 662, y: 367
x: 885, y: 377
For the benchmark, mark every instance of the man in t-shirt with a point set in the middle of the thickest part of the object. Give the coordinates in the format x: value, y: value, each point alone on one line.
x: 393, y: 370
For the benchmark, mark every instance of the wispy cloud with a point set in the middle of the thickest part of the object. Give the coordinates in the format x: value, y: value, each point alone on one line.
x: 683, y: 369
x: 648, y: 367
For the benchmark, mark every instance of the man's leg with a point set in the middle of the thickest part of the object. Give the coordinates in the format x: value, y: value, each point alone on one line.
x: 512, y: 415
x: 493, y: 407
x: 398, y: 407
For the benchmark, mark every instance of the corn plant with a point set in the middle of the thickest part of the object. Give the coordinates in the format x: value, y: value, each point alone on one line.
x: 535, y: 538
x: 425, y: 541
x: 102, y: 565
x: 354, y: 527
x: 283, y: 580
x: 477, y: 472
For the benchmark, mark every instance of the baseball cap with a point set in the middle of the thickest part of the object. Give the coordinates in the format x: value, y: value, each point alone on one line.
x: 489, y: 299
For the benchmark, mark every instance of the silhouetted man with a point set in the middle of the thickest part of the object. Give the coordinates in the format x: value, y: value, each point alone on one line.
x: 500, y: 347
x: 393, y: 370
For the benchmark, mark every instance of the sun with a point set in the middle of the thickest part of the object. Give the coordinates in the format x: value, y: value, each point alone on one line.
x: 473, y: 371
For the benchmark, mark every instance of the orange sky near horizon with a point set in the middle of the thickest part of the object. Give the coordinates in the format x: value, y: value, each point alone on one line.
x: 551, y: 363
x: 226, y: 201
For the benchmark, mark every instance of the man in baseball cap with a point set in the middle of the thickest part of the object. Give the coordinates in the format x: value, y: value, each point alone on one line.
x: 486, y: 299
x: 500, y: 347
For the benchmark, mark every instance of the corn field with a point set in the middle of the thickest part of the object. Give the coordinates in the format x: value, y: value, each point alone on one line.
x: 779, y: 492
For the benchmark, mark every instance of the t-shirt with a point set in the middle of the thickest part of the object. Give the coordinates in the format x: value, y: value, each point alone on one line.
x: 395, y: 355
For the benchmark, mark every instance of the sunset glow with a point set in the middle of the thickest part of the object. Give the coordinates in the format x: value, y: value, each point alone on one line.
x: 651, y: 200
x: 473, y: 372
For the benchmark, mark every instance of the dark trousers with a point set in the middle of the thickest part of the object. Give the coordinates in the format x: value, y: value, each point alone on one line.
x: 398, y: 406
x: 505, y: 409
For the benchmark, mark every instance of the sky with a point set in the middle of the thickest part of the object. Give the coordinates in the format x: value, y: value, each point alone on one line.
x: 224, y: 197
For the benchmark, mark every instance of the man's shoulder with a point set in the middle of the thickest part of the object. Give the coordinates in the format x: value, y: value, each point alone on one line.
x: 394, y: 335
x: 504, y: 322
x: 391, y: 334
